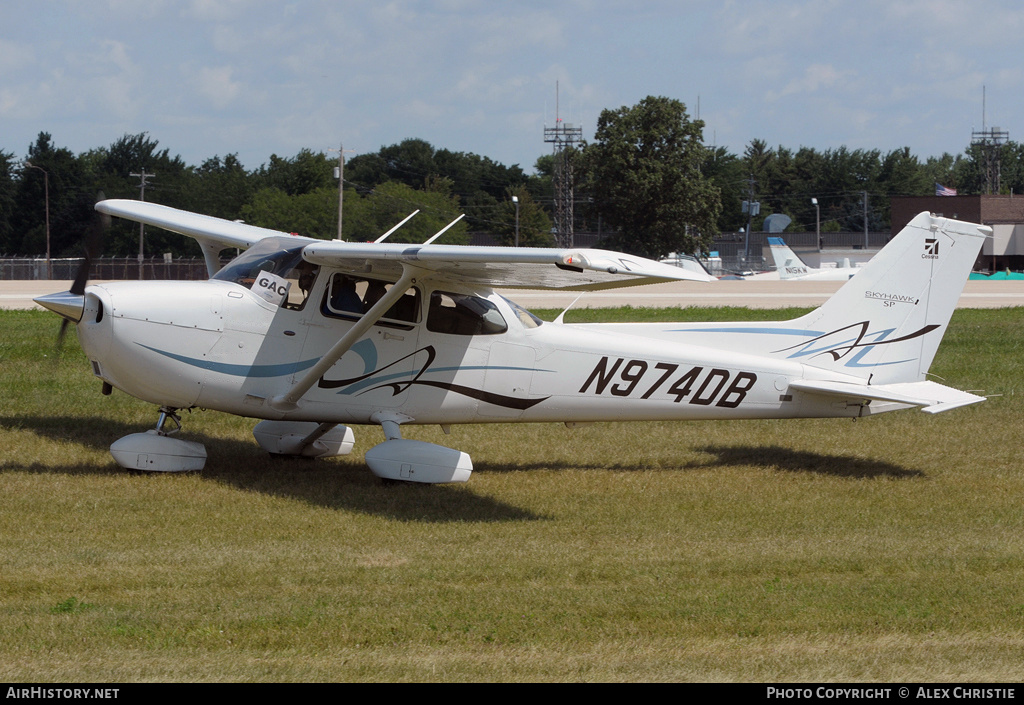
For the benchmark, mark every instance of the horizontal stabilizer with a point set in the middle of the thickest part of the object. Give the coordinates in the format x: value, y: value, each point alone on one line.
x: 933, y: 397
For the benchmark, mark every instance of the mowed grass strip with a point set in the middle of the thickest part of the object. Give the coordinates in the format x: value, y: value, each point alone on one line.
x: 886, y: 549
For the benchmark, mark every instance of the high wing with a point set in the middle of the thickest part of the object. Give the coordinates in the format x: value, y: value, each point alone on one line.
x: 213, y: 234
x: 204, y: 228
x: 505, y: 267
x: 501, y: 267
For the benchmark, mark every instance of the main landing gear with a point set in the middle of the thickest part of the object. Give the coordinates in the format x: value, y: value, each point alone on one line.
x: 414, y: 461
x: 396, y: 458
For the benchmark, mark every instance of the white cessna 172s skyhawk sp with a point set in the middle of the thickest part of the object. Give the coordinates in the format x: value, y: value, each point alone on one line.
x: 311, y: 335
x: 790, y: 267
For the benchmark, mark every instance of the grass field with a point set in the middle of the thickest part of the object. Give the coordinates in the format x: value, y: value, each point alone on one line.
x: 886, y: 549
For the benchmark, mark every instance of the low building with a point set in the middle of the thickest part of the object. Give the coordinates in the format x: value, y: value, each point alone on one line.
x: 1004, y: 214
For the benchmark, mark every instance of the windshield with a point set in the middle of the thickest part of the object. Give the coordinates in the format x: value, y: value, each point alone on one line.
x: 525, y: 317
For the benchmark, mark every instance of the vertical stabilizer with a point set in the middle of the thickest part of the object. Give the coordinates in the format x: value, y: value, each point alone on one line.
x: 885, y: 324
x: 788, y: 265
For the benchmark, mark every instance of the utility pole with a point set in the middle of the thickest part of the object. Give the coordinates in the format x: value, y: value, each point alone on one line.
x: 142, y: 197
x: 751, y: 208
x: 341, y: 183
x: 865, y: 220
x: 339, y: 173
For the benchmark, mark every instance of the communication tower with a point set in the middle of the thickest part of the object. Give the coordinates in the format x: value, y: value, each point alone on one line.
x: 563, y: 136
x: 990, y: 142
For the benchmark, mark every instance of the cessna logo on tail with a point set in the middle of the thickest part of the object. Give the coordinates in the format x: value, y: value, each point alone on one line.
x: 931, y: 248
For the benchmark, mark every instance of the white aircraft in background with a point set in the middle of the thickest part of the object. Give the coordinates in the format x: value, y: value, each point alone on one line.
x: 790, y: 266
x: 312, y: 335
x: 687, y: 262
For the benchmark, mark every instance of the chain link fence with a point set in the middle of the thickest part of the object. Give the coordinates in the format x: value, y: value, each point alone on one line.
x: 104, y: 268
x: 729, y: 246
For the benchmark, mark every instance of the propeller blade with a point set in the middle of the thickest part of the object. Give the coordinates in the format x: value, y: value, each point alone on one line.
x: 60, y: 335
x: 93, y: 246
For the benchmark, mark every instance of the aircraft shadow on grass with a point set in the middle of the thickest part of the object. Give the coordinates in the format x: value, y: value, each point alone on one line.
x: 769, y: 457
x: 802, y: 461
x: 337, y: 484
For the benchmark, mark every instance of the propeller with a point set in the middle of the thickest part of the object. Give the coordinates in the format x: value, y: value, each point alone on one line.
x: 74, y: 298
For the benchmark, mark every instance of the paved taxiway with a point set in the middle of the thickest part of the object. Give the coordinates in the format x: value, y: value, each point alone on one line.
x: 753, y: 293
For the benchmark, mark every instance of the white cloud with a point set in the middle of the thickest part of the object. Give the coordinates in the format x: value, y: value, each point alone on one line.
x: 258, y: 76
x: 815, y: 78
x: 216, y: 84
x: 14, y: 56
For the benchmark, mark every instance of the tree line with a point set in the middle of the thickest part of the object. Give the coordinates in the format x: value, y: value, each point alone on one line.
x: 646, y: 181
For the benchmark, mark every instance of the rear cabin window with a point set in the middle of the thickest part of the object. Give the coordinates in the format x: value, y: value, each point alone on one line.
x: 461, y: 314
x: 350, y: 297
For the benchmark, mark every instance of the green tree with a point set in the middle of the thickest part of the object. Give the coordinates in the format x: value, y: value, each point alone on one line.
x: 646, y: 164
x: 219, y: 187
x: 942, y: 170
x: 390, y: 202
x: 313, y: 214
x: 1011, y: 159
x: 901, y: 174
x: 304, y: 173
x: 8, y: 190
x: 725, y: 171
x: 70, y: 195
x: 478, y: 182
x: 110, y: 170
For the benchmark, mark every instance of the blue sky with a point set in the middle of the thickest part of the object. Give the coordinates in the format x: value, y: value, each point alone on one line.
x: 212, y: 77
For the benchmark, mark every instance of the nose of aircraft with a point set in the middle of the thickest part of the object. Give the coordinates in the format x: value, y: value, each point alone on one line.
x: 70, y: 306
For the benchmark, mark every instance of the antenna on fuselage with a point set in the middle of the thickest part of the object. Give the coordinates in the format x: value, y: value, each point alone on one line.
x: 561, y: 317
x: 385, y: 235
x: 443, y: 230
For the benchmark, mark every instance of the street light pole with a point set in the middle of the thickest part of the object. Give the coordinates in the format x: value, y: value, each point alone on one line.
x: 817, y: 223
x: 46, y: 186
x: 515, y: 200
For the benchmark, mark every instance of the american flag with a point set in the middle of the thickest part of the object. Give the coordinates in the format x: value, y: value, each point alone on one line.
x: 941, y: 190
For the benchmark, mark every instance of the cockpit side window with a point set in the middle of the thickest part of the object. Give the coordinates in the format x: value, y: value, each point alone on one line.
x: 462, y: 314
x: 301, y: 278
x: 277, y: 256
x: 350, y: 297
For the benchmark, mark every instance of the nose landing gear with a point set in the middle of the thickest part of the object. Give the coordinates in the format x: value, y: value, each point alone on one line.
x: 156, y: 451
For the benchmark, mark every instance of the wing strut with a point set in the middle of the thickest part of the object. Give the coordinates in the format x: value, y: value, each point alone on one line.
x: 289, y: 401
